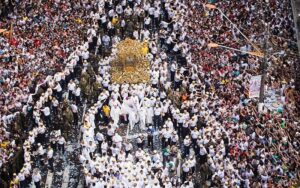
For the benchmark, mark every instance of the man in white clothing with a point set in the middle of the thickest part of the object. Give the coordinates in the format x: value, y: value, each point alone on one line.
x: 115, y: 110
x: 36, y: 176
x: 46, y: 112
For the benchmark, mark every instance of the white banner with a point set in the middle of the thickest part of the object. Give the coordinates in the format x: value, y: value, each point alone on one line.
x: 254, y: 88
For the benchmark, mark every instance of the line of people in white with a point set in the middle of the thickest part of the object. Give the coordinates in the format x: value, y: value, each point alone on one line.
x: 34, y: 145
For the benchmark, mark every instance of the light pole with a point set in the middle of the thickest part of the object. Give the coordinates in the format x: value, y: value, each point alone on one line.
x: 258, y: 53
x: 214, y: 7
x: 215, y: 45
x: 263, y: 69
x: 264, y: 62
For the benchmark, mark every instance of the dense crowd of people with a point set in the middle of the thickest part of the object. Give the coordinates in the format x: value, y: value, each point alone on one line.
x: 262, y: 148
x: 39, y: 36
x: 7, y: 6
x: 196, y: 106
x: 237, y: 139
x: 53, y: 117
x: 109, y: 158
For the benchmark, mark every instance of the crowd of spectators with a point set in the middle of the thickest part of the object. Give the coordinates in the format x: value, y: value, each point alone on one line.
x: 263, y: 145
x: 38, y: 37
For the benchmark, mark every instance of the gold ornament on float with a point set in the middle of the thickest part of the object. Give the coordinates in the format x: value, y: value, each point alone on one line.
x: 131, y: 65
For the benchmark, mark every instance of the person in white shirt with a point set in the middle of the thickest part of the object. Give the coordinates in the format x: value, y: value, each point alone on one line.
x: 21, y: 178
x: 146, y: 34
x: 115, y: 110
x: 85, y: 55
x: 75, y: 114
x: 187, y: 143
x: 178, y: 80
x: 77, y: 93
x: 123, y: 26
x: 119, y: 9
x: 55, y: 104
x: 106, y: 41
x: 156, y: 17
x: 194, y: 135
x: 46, y: 112
x: 140, y: 141
x: 57, y: 77
x: 169, y: 122
x: 58, y: 92
x: 185, y: 170
x: 167, y: 137
x: 36, y: 177
x: 111, y: 13
x: 50, y: 157
x: 157, y: 116
x: 151, y: 12
x: 192, y: 162
x: 104, y: 147
x: 110, y: 134
x: 61, y: 144
x: 128, y: 12
x: 173, y: 71
x: 71, y: 89
x: 136, y: 35
x: 174, y: 138
x: 202, y: 154
x: 41, y: 130
x: 128, y: 148
x: 147, y: 22
x: 117, y: 140
x: 100, y: 139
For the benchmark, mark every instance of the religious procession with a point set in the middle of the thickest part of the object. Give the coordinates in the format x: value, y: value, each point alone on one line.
x: 149, y: 94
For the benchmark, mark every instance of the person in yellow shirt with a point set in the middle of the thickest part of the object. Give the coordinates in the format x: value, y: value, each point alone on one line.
x: 145, y: 48
x: 15, y: 181
x: 106, y: 110
x: 106, y: 113
x: 115, y: 20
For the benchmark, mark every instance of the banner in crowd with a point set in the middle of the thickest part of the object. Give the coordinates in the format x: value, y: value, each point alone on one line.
x: 254, y: 88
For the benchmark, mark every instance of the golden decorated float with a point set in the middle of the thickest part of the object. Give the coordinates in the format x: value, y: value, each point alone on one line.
x: 131, y: 65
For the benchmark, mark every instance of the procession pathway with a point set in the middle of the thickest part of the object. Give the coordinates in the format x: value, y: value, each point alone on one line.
x: 67, y: 169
